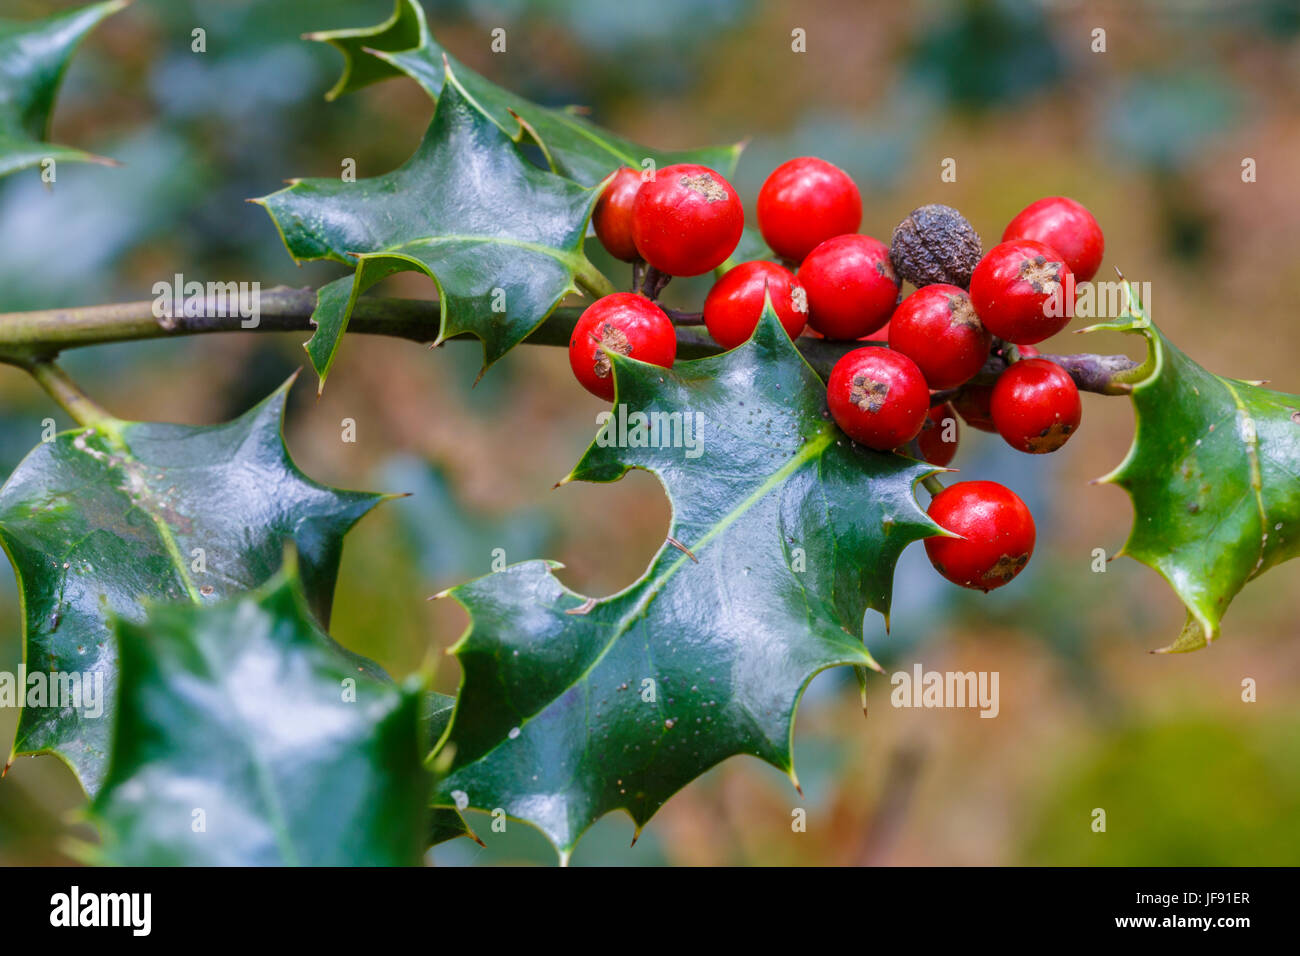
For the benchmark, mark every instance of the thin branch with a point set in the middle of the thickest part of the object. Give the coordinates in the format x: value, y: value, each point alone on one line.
x: 68, y: 395
x: 29, y: 337
x: 48, y: 332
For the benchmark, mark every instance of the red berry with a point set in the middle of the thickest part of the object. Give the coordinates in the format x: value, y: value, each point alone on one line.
x: 686, y: 220
x: 1036, y: 406
x: 735, y: 302
x: 937, y: 328
x: 629, y: 324
x: 997, y: 534
x: 878, y: 397
x: 937, y: 442
x: 1023, y: 291
x: 805, y: 202
x: 972, y: 403
x: 1067, y: 227
x: 613, y: 216
x: 851, y: 286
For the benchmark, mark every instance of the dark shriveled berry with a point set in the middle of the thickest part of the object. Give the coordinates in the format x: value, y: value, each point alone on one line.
x: 933, y: 244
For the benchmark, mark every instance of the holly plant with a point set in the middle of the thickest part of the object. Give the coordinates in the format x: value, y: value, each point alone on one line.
x: 184, y: 575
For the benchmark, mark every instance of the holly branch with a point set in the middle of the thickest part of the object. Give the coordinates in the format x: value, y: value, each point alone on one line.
x: 33, y: 340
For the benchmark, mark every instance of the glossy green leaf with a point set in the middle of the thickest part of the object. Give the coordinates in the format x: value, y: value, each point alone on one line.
x: 101, y: 520
x: 571, y: 707
x: 501, y: 238
x: 246, y: 737
x: 445, y: 823
x: 574, y: 147
x: 1214, y: 475
x: 34, y: 55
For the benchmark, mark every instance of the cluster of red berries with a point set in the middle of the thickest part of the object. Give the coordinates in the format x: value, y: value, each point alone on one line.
x: 967, y: 331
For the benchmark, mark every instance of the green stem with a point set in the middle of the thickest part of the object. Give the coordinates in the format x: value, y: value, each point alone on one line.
x: 932, y: 484
x: 592, y: 281
x: 69, y: 396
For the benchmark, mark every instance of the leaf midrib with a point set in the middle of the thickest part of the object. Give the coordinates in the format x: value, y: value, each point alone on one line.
x: 569, y: 257
x: 266, y: 783
x: 1256, y: 476
x: 653, y: 587
x: 570, y: 123
x: 116, y: 438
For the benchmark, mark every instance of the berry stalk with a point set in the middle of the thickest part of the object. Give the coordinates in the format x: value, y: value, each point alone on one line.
x: 1099, y: 374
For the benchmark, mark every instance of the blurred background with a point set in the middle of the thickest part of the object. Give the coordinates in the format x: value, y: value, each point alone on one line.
x: 1150, y: 134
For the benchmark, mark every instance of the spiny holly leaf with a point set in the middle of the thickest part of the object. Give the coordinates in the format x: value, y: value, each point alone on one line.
x: 573, y: 146
x: 101, y: 520
x: 501, y: 238
x: 34, y: 56
x: 570, y: 707
x: 1214, y: 474
x: 445, y: 823
x: 246, y: 737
